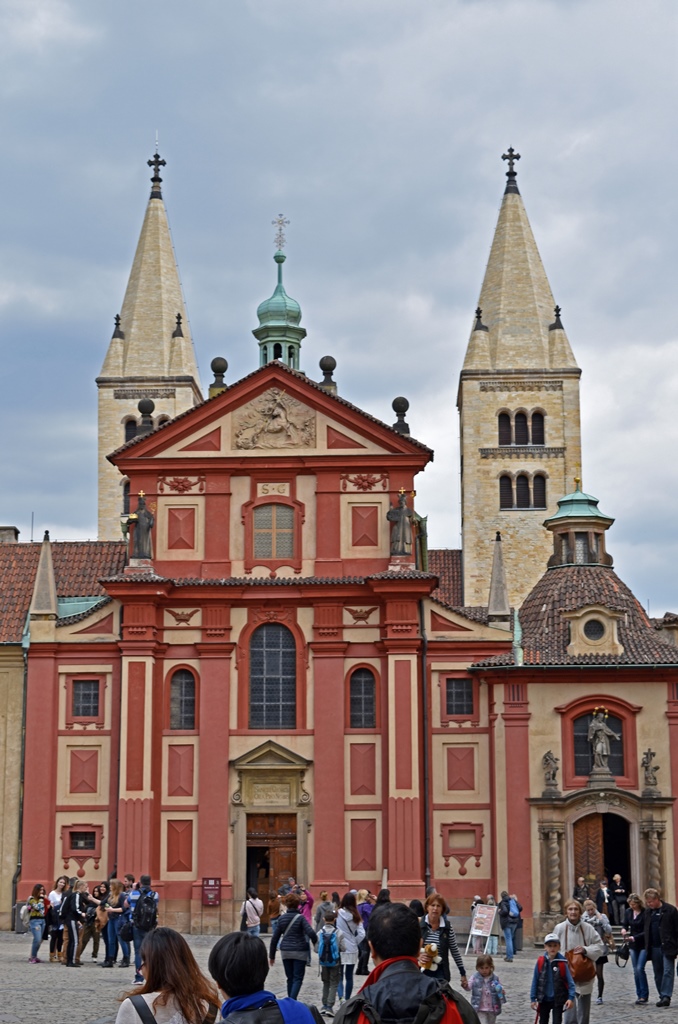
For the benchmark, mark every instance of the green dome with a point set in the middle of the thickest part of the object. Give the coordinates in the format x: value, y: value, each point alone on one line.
x: 280, y: 309
x: 578, y: 506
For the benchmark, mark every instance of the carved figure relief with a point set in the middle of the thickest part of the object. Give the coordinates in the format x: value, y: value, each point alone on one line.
x: 274, y: 420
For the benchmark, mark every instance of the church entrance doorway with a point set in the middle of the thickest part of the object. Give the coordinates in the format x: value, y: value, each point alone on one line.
x: 271, y: 853
x: 601, y: 847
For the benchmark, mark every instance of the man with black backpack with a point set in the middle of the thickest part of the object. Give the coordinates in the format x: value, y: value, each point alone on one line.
x: 144, y: 905
x: 396, y: 990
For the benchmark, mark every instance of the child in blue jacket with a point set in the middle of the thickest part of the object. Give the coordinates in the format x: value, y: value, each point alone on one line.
x: 552, y: 984
x: 487, y: 993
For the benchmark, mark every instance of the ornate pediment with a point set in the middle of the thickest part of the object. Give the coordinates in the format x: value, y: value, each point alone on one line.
x: 274, y: 420
x: 270, y: 755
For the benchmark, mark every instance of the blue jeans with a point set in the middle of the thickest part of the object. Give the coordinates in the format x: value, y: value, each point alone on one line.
x: 663, y: 967
x: 294, y: 972
x: 346, y: 983
x: 255, y: 929
x: 509, y: 932
x: 124, y: 946
x: 139, y: 937
x: 37, y: 926
x: 639, y: 959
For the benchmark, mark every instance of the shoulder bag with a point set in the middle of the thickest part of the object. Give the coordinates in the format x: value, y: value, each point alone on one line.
x: 581, y: 968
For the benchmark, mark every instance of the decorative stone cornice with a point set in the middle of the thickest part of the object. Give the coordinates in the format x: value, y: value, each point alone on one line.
x: 525, y: 451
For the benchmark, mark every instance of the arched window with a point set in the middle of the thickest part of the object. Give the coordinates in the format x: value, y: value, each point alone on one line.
x: 273, y: 531
x: 504, y: 428
x: 522, y: 492
x: 162, y: 419
x: 273, y: 678
x: 125, y: 499
x: 520, y: 425
x: 182, y: 700
x: 362, y: 697
x: 538, y: 428
x: 539, y: 491
x: 277, y: 350
x: 290, y: 356
x: 505, y: 492
x: 130, y: 430
x: 583, y: 748
x: 265, y: 353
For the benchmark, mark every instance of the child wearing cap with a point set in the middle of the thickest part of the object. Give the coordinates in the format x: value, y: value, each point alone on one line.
x: 552, y: 984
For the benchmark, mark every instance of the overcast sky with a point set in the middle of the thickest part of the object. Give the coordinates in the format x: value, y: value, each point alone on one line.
x: 377, y: 127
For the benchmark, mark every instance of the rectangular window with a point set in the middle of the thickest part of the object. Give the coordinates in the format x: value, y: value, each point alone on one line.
x: 362, y: 700
x: 274, y: 531
x: 82, y: 840
x: 85, y: 698
x: 459, y: 698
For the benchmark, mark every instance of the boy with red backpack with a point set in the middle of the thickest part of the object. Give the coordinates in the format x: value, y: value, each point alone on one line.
x: 552, y: 984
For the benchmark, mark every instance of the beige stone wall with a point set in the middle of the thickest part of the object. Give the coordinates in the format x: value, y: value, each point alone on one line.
x: 169, y: 400
x: 526, y: 544
x: 11, y: 705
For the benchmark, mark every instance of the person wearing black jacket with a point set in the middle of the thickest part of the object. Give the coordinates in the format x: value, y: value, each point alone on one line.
x: 397, y: 990
x: 633, y: 930
x: 661, y: 942
x: 73, y: 914
x: 292, y: 934
x: 509, y: 914
x: 436, y: 928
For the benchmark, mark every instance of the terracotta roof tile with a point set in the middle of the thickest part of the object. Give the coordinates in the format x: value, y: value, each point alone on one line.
x: 446, y: 564
x: 568, y: 588
x: 78, y: 566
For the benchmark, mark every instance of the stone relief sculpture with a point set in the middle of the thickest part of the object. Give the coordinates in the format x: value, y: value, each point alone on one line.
x: 650, y: 770
x: 274, y: 420
x: 550, y: 765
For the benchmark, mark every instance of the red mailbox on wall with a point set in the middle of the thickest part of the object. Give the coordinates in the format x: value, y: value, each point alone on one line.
x: 211, y: 892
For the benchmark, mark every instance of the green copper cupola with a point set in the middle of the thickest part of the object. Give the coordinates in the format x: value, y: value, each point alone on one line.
x: 279, y: 334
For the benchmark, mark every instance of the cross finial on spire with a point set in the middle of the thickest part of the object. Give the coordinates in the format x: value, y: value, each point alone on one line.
x: 156, y: 163
x: 281, y: 223
x: 557, y: 324
x: 511, y: 174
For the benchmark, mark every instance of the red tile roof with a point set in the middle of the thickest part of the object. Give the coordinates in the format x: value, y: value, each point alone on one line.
x: 569, y: 588
x: 78, y: 566
x: 446, y: 564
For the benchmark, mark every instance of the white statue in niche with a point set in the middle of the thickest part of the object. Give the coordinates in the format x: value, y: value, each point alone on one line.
x: 274, y: 420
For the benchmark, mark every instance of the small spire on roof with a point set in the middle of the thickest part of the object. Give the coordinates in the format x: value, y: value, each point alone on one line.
x: 511, y: 174
x: 156, y: 163
x: 557, y: 324
x: 479, y: 325
x: 178, y: 332
x: 117, y: 330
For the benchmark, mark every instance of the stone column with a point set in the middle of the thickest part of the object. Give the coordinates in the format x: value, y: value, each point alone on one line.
x: 550, y: 833
x: 651, y: 831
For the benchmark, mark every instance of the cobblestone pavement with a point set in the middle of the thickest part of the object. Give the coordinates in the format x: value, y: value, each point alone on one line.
x: 49, y: 992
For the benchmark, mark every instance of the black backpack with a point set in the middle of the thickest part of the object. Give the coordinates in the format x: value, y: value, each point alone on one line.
x: 432, y: 1010
x: 145, y: 914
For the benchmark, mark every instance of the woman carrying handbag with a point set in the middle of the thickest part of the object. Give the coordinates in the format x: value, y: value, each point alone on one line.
x: 582, y: 946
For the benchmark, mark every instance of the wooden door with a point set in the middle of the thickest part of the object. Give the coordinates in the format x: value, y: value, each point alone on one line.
x: 277, y: 833
x: 589, y: 859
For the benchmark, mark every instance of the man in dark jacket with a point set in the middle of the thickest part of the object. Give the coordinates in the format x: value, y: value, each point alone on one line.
x: 238, y: 963
x: 661, y: 942
x: 396, y: 989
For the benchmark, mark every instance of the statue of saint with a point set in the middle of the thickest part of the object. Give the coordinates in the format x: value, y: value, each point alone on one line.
x: 401, y: 534
x: 143, y: 520
x: 599, y: 737
x: 650, y: 770
x: 550, y: 765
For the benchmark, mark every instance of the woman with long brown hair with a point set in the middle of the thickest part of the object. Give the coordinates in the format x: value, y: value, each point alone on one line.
x: 350, y: 925
x: 174, y: 989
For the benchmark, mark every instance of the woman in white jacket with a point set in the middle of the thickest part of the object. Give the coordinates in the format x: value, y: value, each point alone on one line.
x: 350, y: 924
x: 576, y: 935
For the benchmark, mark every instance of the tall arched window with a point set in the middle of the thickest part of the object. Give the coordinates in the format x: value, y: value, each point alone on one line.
x: 537, y: 428
x: 130, y: 430
x: 273, y: 678
x: 277, y: 350
x: 505, y: 492
x: 539, y: 491
x: 504, y: 428
x: 125, y: 498
x: 182, y: 700
x: 522, y: 492
x: 362, y: 697
x: 520, y: 427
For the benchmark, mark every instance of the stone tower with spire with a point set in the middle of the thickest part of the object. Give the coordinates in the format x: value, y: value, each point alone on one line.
x: 150, y: 354
x: 518, y: 401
